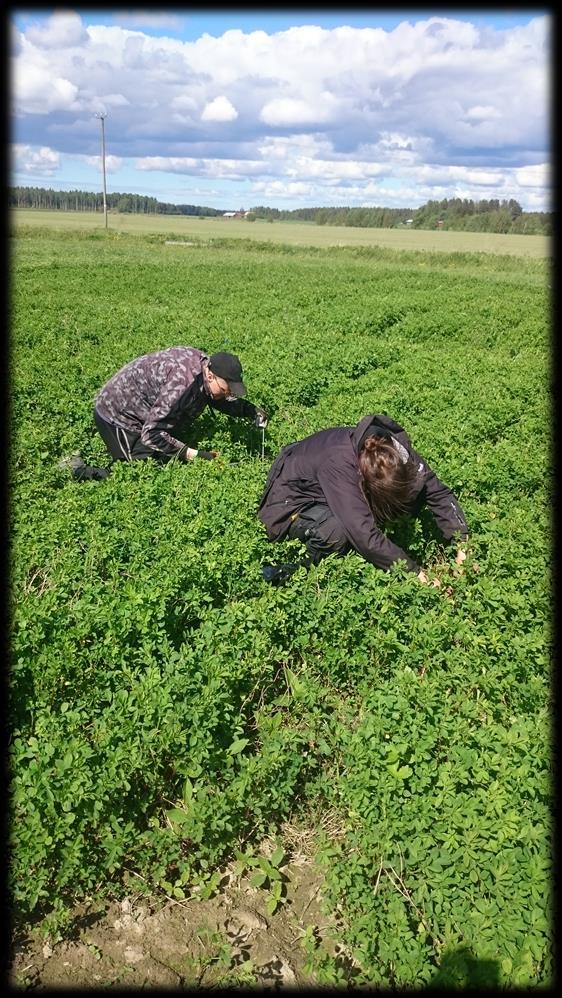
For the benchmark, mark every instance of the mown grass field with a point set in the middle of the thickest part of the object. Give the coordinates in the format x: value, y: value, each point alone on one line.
x: 168, y: 709
x: 292, y: 233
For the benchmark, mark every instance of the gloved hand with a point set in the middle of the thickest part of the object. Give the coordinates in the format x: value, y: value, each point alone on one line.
x: 207, y: 455
x: 260, y: 419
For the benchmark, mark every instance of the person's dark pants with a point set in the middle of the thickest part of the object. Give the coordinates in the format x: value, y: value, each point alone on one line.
x: 320, y: 531
x: 123, y: 445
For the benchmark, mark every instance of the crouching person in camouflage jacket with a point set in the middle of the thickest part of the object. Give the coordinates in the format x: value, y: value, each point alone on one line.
x: 139, y: 408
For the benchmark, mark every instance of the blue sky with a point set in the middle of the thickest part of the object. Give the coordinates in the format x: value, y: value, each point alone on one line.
x: 190, y: 25
x: 235, y: 108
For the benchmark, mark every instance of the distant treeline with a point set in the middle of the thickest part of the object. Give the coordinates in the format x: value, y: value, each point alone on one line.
x: 40, y: 197
x: 451, y: 213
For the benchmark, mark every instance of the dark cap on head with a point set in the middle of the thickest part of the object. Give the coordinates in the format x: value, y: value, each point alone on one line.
x: 229, y: 368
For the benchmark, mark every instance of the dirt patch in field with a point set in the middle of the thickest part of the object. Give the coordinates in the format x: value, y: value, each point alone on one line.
x: 228, y: 940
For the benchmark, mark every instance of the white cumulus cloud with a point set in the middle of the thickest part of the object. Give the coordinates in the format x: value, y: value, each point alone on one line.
x: 112, y: 163
x: 287, y: 111
x: 41, y: 162
x: 434, y: 105
x: 219, y: 109
x: 533, y: 176
x: 37, y: 91
x: 63, y: 29
x: 204, y: 167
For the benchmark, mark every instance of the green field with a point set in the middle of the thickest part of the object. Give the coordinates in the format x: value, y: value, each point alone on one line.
x: 168, y: 709
x: 293, y: 233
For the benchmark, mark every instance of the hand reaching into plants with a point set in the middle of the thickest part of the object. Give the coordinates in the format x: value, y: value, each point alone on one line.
x: 459, y: 559
x: 447, y: 590
x: 461, y: 556
x: 206, y: 455
x: 423, y: 578
x: 260, y: 419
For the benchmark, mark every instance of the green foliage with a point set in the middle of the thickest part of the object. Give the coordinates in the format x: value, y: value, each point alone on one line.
x: 168, y: 709
x: 268, y: 875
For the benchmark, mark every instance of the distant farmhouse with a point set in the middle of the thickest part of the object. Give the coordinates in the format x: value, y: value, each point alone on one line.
x: 234, y: 214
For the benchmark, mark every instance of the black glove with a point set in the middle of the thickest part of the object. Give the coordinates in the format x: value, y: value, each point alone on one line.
x: 207, y: 455
x: 260, y: 418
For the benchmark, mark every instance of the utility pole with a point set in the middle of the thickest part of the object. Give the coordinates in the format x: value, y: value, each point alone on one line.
x: 102, y: 115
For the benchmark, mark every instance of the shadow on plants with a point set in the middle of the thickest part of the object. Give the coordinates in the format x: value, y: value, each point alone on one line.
x: 240, y: 431
x: 53, y: 919
x: 183, y: 617
x: 459, y: 968
x: 308, y: 394
x: 360, y: 367
x: 406, y: 532
x: 21, y: 696
x: 79, y: 923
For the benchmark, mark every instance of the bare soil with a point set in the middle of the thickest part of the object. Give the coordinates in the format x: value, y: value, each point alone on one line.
x: 227, y: 940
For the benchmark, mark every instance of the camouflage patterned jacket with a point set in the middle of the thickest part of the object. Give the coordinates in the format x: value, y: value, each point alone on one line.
x: 156, y: 393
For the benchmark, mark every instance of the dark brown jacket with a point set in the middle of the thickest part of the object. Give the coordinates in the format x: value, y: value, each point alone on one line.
x: 324, y: 467
x: 160, y: 392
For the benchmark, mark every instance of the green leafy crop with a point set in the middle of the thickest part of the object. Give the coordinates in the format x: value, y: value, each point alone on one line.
x: 168, y: 709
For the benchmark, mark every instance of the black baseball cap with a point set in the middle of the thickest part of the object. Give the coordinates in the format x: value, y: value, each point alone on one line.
x: 229, y: 368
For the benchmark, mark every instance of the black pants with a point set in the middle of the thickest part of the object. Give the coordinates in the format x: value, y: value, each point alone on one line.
x: 124, y: 445
x: 320, y: 531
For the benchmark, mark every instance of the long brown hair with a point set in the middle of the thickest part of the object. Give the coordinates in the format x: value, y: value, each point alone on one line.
x: 386, y: 479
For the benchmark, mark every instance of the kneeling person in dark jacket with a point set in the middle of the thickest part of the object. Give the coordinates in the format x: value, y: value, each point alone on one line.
x: 335, y: 490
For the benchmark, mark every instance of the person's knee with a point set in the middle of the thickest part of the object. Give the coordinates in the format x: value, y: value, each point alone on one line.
x: 319, y: 544
x: 322, y: 533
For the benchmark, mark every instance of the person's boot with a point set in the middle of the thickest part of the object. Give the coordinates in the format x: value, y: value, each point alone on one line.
x: 277, y: 574
x: 81, y: 471
x: 71, y: 463
x: 89, y: 473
